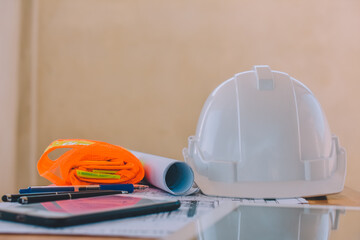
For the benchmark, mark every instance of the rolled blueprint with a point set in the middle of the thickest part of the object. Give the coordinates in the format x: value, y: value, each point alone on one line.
x: 170, y: 175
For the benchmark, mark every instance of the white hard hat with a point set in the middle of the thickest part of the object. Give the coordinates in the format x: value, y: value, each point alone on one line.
x: 263, y: 134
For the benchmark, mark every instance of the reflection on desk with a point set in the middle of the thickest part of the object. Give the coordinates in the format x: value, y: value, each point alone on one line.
x: 244, y: 222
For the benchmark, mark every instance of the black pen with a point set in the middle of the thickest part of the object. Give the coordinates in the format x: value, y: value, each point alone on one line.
x: 65, y: 196
x: 15, y: 197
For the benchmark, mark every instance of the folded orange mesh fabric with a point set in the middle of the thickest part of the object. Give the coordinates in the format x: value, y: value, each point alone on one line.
x: 90, y: 162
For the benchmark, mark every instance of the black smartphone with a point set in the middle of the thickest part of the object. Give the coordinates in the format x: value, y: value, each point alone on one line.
x: 84, y: 210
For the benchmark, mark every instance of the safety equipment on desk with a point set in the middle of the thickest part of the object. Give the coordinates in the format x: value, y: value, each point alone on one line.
x: 90, y: 162
x: 263, y: 134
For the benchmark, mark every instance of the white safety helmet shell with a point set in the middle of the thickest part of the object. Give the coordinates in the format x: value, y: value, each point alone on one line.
x: 263, y: 134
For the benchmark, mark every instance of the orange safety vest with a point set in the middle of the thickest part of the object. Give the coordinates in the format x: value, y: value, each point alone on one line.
x: 90, y: 162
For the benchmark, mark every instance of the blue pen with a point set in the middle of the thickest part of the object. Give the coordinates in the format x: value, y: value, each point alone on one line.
x: 123, y: 187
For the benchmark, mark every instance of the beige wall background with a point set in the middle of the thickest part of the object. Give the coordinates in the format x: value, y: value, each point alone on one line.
x: 136, y: 73
x: 9, y: 50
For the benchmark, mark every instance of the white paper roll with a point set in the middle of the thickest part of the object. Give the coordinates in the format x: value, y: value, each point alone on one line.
x: 168, y: 174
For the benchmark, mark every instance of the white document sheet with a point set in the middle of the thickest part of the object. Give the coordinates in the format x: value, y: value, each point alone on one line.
x: 149, y: 226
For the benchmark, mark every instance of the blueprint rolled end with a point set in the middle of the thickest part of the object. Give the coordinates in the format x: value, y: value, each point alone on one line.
x: 168, y: 174
x: 179, y: 178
